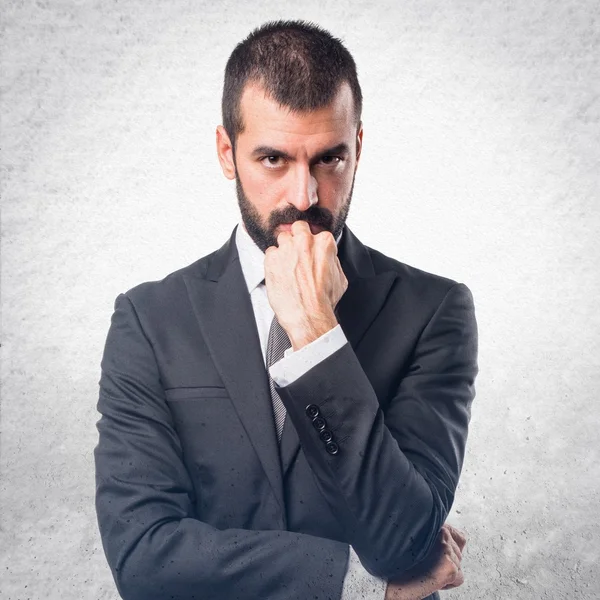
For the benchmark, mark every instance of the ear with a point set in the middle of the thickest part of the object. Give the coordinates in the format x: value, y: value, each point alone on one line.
x: 359, y: 137
x: 225, y: 152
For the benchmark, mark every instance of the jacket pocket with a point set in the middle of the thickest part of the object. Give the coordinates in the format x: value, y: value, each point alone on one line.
x: 191, y: 393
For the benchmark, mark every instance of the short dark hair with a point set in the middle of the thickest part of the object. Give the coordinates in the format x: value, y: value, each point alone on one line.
x: 299, y: 64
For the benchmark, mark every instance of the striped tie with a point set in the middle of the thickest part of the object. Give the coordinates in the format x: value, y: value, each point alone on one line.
x: 277, y: 344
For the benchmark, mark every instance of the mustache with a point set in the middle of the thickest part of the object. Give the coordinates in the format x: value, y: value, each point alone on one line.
x: 314, y: 215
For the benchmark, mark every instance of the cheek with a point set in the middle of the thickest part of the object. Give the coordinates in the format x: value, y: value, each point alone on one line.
x: 333, y: 188
x: 259, y: 188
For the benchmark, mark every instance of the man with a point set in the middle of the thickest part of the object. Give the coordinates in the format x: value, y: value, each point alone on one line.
x: 286, y: 418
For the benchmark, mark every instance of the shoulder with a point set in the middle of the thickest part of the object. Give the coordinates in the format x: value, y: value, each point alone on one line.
x: 425, y: 296
x: 413, y: 281
x: 168, y: 291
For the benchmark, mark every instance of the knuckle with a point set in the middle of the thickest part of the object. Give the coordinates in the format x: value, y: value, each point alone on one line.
x: 451, y: 570
x: 460, y: 579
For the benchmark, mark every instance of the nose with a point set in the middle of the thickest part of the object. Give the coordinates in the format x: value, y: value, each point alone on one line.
x: 304, y: 188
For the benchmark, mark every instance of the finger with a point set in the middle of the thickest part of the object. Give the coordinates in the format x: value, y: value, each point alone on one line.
x: 458, y: 535
x: 454, y: 544
x: 284, y: 235
x: 300, y: 227
x: 458, y: 581
x: 452, y: 550
x: 453, y: 573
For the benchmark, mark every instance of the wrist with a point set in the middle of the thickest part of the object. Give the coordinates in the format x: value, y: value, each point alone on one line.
x: 311, y: 329
x: 409, y: 590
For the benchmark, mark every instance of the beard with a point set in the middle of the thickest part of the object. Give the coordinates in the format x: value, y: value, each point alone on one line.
x: 264, y: 236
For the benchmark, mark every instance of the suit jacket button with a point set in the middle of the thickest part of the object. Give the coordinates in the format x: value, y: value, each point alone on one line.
x: 312, y: 410
x: 326, y: 435
x: 319, y: 423
x: 332, y: 448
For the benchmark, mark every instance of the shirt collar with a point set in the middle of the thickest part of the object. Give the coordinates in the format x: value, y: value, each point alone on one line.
x: 252, y: 258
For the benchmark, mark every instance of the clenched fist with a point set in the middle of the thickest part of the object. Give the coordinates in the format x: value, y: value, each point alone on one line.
x: 305, y: 281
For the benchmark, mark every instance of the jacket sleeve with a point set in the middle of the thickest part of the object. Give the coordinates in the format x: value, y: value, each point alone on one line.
x: 391, y: 474
x: 154, y: 545
x: 358, y: 583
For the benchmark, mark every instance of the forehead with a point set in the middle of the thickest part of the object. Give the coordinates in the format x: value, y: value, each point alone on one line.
x: 264, y: 118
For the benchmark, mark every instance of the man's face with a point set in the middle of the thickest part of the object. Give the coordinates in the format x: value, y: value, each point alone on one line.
x: 292, y: 166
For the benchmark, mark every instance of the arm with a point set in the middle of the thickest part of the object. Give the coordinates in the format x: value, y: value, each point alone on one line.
x: 155, y: 546
x: 393, y: 479
x: 358, y: 584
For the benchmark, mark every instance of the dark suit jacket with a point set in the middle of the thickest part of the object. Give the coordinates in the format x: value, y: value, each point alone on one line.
x: 193, y: 498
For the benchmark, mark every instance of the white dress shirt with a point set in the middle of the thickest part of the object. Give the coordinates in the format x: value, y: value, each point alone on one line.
x: 358, y: 584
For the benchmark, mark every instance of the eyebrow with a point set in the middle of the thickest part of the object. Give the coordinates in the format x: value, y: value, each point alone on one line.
x: 270, y: 151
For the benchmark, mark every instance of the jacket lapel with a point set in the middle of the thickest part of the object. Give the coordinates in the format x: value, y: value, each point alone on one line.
x: 224, y: 311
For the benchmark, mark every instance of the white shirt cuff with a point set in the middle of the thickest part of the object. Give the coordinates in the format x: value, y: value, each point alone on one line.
x: 295, y: 364
x: 359, y: 584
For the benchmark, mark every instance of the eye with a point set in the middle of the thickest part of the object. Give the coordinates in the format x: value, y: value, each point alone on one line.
x: 271, y: 162
x: 331, y: 160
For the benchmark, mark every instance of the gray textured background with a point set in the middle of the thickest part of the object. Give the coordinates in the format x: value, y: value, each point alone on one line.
x: 480, y: 162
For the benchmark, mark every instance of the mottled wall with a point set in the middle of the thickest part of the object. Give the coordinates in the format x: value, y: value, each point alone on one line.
x: 480, y: 162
